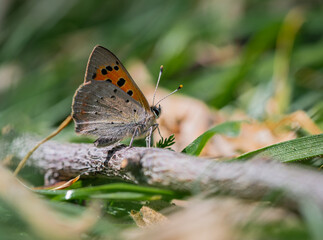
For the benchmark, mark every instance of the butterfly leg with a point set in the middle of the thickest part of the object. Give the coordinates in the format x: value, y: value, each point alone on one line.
x: 148, y: 138
x: 159, y: 131
x: 133, y: 136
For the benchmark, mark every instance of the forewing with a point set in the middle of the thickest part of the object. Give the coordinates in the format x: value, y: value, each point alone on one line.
x: 103, y: 65
x: 101, y: 109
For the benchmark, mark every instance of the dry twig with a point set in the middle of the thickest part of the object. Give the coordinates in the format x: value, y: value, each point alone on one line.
x: 172, y: 170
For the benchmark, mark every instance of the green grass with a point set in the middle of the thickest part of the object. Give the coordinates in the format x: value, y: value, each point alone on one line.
x: 231, y: 129
x: 223, y: 52
x: 303, y: 148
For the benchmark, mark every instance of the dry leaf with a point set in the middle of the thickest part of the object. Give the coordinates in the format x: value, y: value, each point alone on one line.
x: 137, y: 217
x: 188, y: 118
x: 60, y: 185
x: 147, y: 217
x: 217, y: 218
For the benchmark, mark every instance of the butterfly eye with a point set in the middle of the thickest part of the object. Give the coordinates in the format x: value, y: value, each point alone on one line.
x: 156, y: 111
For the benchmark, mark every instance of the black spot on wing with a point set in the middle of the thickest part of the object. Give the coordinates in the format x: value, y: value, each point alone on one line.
x: 104, y: 71
x: 130, y: 92
x: 121, y: 82
x: 109, y: 68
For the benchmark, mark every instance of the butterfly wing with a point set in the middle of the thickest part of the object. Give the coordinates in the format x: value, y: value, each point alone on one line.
x: 103, y: 65
x: 102, y: 109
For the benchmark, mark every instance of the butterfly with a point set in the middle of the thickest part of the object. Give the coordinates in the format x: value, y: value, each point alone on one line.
x: 109, y: 104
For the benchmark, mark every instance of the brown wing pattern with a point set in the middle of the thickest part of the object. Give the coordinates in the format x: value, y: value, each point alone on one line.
x: 103, y: 110
x: 103, y: 65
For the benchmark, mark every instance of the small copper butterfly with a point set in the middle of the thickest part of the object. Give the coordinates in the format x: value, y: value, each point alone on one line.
x: 109, y: 104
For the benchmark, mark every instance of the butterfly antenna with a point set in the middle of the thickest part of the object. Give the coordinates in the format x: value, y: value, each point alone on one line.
x: 160, y: 73
x: 176, y: 90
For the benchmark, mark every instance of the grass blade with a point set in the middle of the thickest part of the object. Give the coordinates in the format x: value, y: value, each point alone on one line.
x: 289, y: 151
x: 88, y: 192
x: 228, y: 128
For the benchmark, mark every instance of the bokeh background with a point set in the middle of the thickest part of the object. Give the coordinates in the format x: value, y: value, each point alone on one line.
x: 229, y: 54
x: 261, y: 60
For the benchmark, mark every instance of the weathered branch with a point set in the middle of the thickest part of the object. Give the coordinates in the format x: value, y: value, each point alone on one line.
x: 176, y: 171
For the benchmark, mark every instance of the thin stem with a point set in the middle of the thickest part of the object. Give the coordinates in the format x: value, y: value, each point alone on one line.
x: 53, y: 134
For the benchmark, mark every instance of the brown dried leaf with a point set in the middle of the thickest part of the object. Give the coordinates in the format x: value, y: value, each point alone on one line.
x: 188, y: 118
x: 60, y: 185
x: 219, y: 218
x: 136, y: 216
x: 147, y: 217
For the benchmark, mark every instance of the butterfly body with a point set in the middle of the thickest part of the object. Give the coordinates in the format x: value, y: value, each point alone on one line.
x: 109, y: 104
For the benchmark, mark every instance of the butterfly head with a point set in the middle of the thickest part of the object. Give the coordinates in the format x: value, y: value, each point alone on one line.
x: 156, y: 111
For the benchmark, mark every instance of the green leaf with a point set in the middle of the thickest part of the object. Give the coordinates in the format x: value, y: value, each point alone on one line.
x: 231, y: 129
x: 87, y: 192
x: 166, y: 142
x: 289, y: 151
x: 126, y: 196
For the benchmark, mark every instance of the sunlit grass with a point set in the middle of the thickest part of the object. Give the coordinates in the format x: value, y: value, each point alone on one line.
x: 224, y: 52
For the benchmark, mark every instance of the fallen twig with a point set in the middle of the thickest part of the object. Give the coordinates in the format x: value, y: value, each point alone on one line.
x: 176, y: 171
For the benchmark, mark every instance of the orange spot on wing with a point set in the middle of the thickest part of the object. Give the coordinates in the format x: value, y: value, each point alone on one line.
x: 104, y: 65
x: 114, y: 76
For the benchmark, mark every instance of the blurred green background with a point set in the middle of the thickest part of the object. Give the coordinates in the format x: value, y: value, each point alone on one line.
x: 229, y: 54
x: 262, y: 57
